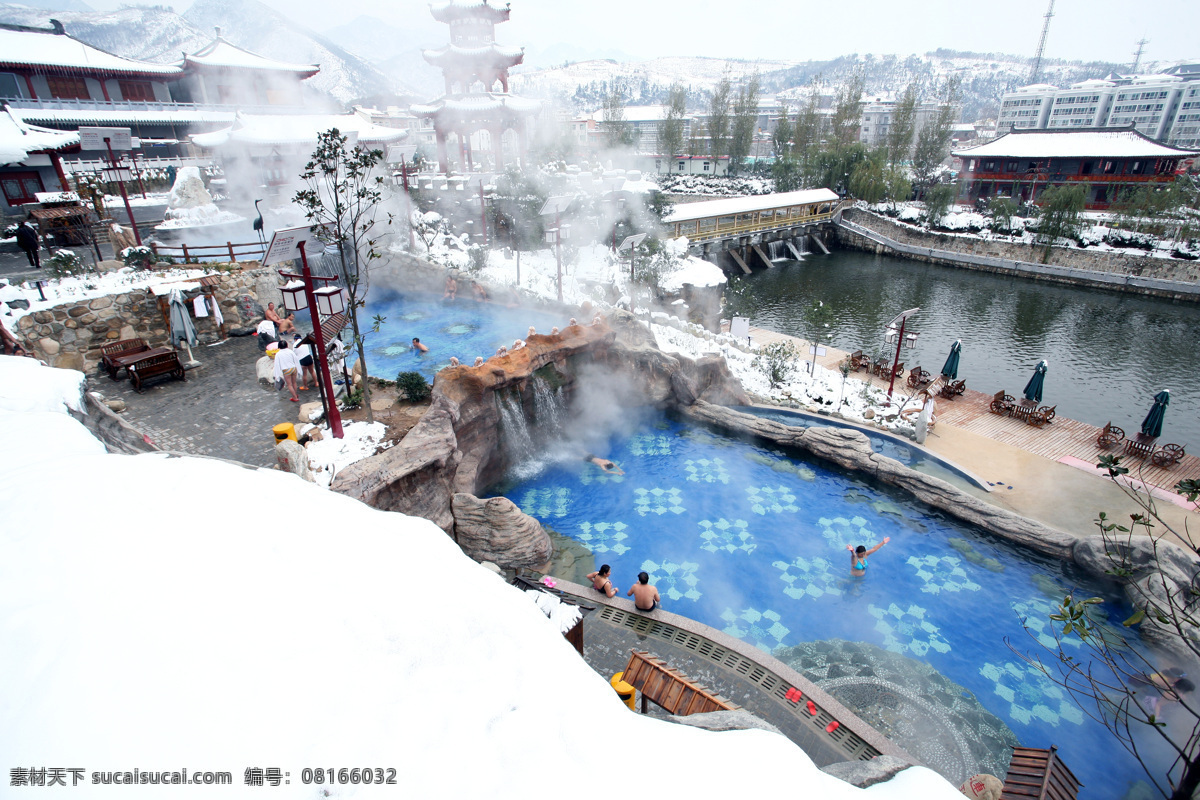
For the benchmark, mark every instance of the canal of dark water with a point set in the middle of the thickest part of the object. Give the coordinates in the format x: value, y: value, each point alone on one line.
x: 1108, y: 353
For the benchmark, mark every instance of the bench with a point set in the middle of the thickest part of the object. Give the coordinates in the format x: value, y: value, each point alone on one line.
x: 1140, y: 446
x: 1002, y: 403
x: 859, y: 361
x: 953, y: 390
x: 113, y: 356
x: 1040, y: 417
x: 1110, y: 436
x: 155, y: 364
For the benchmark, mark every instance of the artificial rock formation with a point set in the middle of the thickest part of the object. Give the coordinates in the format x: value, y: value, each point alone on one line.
x: 496, y: 530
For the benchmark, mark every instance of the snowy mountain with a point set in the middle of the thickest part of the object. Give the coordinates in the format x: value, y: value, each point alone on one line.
x: 985, y: 77
x: 155, y: 33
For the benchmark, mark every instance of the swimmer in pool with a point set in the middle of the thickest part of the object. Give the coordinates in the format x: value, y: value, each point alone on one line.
x: 417, y: 346
x: 858, y: 557
x: 604, y: 464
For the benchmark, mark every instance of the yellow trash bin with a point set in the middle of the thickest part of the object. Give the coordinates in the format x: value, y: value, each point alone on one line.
x: 284, y: 431
x: 624, y: 690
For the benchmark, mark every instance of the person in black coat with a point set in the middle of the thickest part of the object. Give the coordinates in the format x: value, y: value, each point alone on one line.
x: 27, y: 240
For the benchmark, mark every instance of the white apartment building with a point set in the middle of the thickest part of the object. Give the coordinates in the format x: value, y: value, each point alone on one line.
x: 1025, y: 108
x: 1185, y: 130
x: 879, y: 111
x: 1150, y: 104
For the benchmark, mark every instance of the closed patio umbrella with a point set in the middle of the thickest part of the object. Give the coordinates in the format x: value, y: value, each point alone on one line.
x: 182, y: 329
x: 1033, y: 389
x: 1152, y: 424
x: 950, y: 368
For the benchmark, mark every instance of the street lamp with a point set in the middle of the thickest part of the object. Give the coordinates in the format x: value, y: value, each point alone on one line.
x: 299, y: 294
x: 895, y: 330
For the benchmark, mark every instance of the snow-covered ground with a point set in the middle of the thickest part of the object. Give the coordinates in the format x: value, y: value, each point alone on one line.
x: 87, y: 287
x: 289, y: 628
x: 1095, y: 234
x: 329, y: 455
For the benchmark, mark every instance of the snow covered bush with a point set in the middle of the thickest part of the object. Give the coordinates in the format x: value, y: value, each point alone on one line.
x: 65, y: 263
x: 778, y: 363
x: 140, y: 257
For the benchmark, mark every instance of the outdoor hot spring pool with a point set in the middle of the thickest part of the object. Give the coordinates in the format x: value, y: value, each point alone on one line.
x: 462, y: 328
x: 752, y: 540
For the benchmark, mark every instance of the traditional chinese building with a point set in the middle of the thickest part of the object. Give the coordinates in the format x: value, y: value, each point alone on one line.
x: 477, y: 100
x: 1105, y: 161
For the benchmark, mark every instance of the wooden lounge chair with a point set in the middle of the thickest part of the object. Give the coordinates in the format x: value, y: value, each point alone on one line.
x: 953, y: 390
x: 1002, y: 403
x: 1168, y: 456
x: 859, y: 361
x: 113, y: 357
x: 1140, y: 446
x: 154, y: 364
x: 1110, y: 436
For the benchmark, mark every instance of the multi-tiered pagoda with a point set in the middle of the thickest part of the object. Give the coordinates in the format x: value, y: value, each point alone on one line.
x: 476, y: 73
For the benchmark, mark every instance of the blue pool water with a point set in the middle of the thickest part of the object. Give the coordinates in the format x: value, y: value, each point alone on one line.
x: 752, y: 541
x: 462, y: 328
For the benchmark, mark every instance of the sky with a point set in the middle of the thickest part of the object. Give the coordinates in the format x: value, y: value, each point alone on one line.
x: 1092, y: 30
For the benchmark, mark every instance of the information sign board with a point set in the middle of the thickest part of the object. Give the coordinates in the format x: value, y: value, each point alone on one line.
x: 93, y: 138
x: 285, y: 244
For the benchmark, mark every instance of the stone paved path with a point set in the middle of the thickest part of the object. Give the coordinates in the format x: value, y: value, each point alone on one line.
x: 220, y: 410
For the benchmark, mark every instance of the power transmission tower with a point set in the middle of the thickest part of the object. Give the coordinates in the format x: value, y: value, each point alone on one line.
x: 1137, y: 55
x: 1041, y: 48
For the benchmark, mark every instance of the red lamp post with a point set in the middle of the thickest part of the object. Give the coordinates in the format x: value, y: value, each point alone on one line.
x: 909, y: 341
x: 326, y: 301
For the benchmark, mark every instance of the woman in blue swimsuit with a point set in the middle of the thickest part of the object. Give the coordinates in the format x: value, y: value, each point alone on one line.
x: 858, y: 557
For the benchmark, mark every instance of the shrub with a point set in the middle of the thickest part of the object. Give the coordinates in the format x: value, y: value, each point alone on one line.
x: 140, y: 257
x: 413, y: 386
x: 65, y: 263
x: 778, y: 363
x: 477, y: 259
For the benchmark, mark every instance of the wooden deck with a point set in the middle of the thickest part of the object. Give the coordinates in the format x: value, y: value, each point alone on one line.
x: 1062, y: 438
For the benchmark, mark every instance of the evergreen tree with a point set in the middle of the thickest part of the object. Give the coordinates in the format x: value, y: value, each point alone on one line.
x: 900, y: 133
x: 868, y: 182
x: 781, y: 138
x: 806, y: 135
x: 718, y: 120
x: 670, y: 132
x: 933, y: 142
x: 744, y: 124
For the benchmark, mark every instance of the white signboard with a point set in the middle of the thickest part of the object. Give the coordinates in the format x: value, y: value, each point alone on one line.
x: 740, y: 326
x: 397, y: 151
x: 816, y: 351
x: 56, y: 197
x: 630, y: 242
x: 118, y: 174
x: 93, y: 138
x: 285, y: 244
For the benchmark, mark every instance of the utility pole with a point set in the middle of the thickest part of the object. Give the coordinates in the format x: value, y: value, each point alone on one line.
x: 1036, y: 72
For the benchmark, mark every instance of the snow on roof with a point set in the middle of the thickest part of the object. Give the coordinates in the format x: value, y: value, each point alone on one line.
x: 221, y: 640
x: 31, y: 48
x: 446, y: 12
x: 742, y: 205
x: 1073, y: 144
x: 468, y: 105
x: 86, y: 114
x: 18, y: 139
x: 277, y: 129
x: 221, y: 54
x: 451, y: 54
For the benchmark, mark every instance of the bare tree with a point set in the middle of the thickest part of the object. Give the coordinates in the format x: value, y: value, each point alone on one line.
x: 933, y: 141
x: 718, y: 119
x: 743, y: 124
x: 847, y: 110
x: 617, y: 132
x: 1119, y: 686
x: 341, y: 199
x: 670, y: 132
x: 900, y: 133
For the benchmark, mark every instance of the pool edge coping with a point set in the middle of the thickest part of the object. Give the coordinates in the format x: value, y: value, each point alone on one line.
x: 845, y: 423
x: 756, y: 655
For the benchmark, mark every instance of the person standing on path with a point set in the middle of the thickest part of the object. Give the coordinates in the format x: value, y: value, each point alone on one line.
x: 27, y: 240
x: 288, y: 365
x: 858, y: 557
x: 645, y: 596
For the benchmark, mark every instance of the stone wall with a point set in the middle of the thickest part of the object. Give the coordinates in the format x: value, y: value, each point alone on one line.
x: 1074, y: 264
x: 71, y: 334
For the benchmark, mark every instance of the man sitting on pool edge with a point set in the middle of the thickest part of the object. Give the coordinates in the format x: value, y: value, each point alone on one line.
x: 604, y: 464
x: 645, y: 596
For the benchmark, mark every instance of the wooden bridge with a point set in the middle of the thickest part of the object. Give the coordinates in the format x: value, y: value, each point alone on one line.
x: 734, y: 231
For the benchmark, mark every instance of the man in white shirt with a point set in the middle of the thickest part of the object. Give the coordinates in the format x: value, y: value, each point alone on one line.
x: 287, y: 366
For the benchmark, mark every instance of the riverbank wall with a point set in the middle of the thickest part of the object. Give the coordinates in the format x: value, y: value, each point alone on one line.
x: 1166, y: 278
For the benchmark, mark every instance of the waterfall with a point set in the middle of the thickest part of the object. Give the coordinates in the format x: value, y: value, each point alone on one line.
x: 776, y: 251
x: 550, y: 409
x: 514, y: 429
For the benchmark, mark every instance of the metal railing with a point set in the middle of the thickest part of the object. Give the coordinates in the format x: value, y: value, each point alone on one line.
x: 157, y: 162
x: 753, y: 226
x: 119, y: 106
